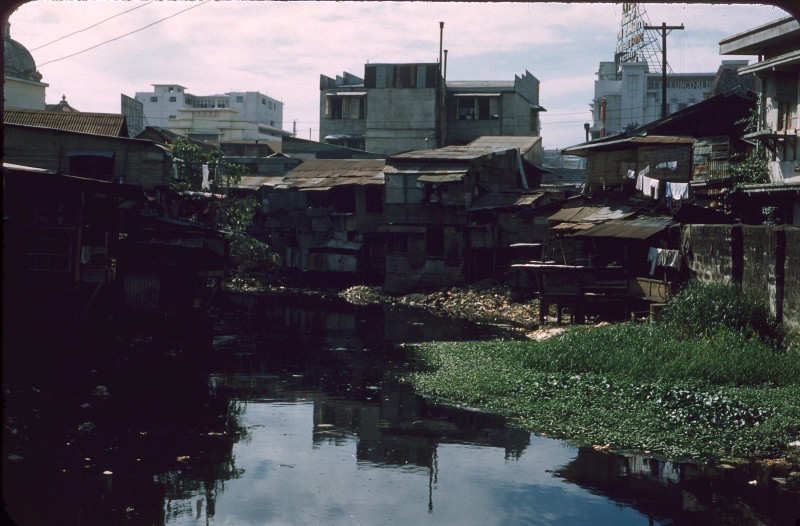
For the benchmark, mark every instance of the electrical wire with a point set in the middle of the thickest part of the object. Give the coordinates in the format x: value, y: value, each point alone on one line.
x: 126, y: 34
x: 93, y: 25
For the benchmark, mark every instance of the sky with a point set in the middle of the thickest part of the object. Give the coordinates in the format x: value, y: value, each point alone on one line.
x: 281, y: 48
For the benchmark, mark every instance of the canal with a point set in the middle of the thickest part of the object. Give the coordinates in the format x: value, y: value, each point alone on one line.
x: 294, y: 412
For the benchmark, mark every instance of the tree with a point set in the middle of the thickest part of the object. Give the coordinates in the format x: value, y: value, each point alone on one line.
x: 215, y: 205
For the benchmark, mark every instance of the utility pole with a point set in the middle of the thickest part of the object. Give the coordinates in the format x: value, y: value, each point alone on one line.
x: 663, y: 28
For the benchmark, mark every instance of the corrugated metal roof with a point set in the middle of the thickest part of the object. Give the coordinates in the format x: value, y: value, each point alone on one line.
x: 505, y: 200
x: 321, y: 174
x: 446, y: 178
x: 524, y: 144
x: 256, y: 182
x: 429, y: 169
x: 453, y: 153
x: 109, y: 124
x: 477, y: 84
x: 638, y: 228
x: 591, y: 214
x: 636, y: 141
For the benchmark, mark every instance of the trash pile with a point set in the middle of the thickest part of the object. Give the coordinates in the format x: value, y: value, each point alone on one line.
x: 484, y: 301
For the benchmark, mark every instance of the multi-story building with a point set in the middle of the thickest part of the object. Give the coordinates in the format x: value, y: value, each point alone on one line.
x: 778, y: 70
x: 234, y: 116
x: 398, y: 107
x: 631, y: 96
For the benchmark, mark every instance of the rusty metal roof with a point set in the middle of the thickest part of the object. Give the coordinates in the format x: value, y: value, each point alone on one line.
x: 431, y: 172
x: 506, y: 200
x: 256, y: 182
x: 524, y: 144
x: 322, y: 174
x: 592, y: 214
x: 109, y: 124
x: 452, y: 153
x: 637, y: 228
x: 614, y: 143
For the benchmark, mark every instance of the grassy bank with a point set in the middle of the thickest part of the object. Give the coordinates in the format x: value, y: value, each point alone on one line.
x: 714, y: 378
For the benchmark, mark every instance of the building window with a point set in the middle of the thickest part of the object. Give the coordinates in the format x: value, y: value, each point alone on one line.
x: 173, y: 99
x: 239, y: 98
x: 633, y: 86
x: 170, y: 89
x: 786, y: 101
x: 345, y: 107
x: 478, y: 108
x: 173, y: 117
x: 403, y: 189
x: 264, y: 101
x: 153, y: 99
x: 272, y: 123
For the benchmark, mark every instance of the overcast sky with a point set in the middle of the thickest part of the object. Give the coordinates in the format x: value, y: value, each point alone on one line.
x: 281, y: 48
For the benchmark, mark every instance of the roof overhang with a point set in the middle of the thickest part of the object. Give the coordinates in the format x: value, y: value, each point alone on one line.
x: 788, y: 61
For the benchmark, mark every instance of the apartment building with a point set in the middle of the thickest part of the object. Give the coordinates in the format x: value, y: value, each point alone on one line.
x: 403, y: 107
x: 233, y: 116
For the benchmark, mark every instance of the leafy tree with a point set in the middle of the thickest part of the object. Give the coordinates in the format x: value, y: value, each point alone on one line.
x: 219, y: 209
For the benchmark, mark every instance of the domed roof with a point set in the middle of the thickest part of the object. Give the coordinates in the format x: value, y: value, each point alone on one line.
x: 18, y: 60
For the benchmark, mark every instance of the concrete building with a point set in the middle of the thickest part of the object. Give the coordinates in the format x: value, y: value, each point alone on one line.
x: 398, y: 107
x: 22, y: 83
x: 632, y: 96
x: 777, y: 44
x: 233, y: 116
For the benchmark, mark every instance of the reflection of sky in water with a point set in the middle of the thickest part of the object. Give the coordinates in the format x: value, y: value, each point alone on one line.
x: 288, y: 479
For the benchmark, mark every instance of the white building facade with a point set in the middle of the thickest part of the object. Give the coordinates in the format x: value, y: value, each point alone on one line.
x: 233, y: 116
x: 632, y: 97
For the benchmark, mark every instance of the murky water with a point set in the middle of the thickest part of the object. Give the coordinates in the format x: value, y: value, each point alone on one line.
x: 298, y: 415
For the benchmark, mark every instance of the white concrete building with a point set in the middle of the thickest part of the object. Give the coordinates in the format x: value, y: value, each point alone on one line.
x: 632, y: 96
x: 234, y: 116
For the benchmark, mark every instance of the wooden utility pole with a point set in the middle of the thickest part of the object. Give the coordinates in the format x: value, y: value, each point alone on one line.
x: 663, y: 28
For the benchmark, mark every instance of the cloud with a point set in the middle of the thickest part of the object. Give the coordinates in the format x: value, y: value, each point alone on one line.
x: 281, y: 48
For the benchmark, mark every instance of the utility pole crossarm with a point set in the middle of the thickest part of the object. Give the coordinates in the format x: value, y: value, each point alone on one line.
x: 663, y: 28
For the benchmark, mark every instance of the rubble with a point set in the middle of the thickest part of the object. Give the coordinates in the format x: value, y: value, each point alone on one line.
x: 484, y: 302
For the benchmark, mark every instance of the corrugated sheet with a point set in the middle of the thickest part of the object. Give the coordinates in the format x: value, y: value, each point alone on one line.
x: 638, y: 228
x: 256, y: 182
x: 612, y: 142
x: 448, y: 178
x: 109, y: 124
x: 591, y: 214
x: 505, y: 200
x: 454, y: 153
x: 321, y: 174
x: 524, y: 144
x: 428, y: 169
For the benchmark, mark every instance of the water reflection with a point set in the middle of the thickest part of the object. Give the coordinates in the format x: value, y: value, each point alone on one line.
x: 300, y: 416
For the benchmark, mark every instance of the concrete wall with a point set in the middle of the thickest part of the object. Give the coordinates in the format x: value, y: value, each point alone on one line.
x: 762, y: 259
x: 400, y: 119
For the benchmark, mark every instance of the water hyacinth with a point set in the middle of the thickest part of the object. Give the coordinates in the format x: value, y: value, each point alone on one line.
x: 666, y: 387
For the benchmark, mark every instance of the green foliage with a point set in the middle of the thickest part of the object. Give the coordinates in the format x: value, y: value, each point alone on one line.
x: 236, y: 215
x: 710, y: 308
x: 710, y: 379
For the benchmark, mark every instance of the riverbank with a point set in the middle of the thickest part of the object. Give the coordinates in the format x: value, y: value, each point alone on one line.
x: 682, y: 394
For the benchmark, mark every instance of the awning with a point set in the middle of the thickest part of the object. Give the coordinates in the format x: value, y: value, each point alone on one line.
x: 639, y: 228
x: 476, y: 94
x: 91, y: 153
x: 789, y: 59
x: 346, y: 94
x: 443, y: 178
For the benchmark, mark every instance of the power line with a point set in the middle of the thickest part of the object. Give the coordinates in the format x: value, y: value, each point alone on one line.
x: 125, y: 35
x: 93, y: 25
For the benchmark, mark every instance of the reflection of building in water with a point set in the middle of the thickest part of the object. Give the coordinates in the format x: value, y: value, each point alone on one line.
x: 683, y: 493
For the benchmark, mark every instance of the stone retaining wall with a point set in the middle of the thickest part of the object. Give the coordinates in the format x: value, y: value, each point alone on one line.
x: 763, y: 259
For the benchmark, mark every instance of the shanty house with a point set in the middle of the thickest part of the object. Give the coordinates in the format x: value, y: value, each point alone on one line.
x: 325, y: 216
x: 429, y: 195
x: 93, y: 145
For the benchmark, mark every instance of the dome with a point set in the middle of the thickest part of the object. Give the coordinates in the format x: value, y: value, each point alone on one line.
x: 18, y: 60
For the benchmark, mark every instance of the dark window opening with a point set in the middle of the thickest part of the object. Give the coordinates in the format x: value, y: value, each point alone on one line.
x: 435, y: 242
